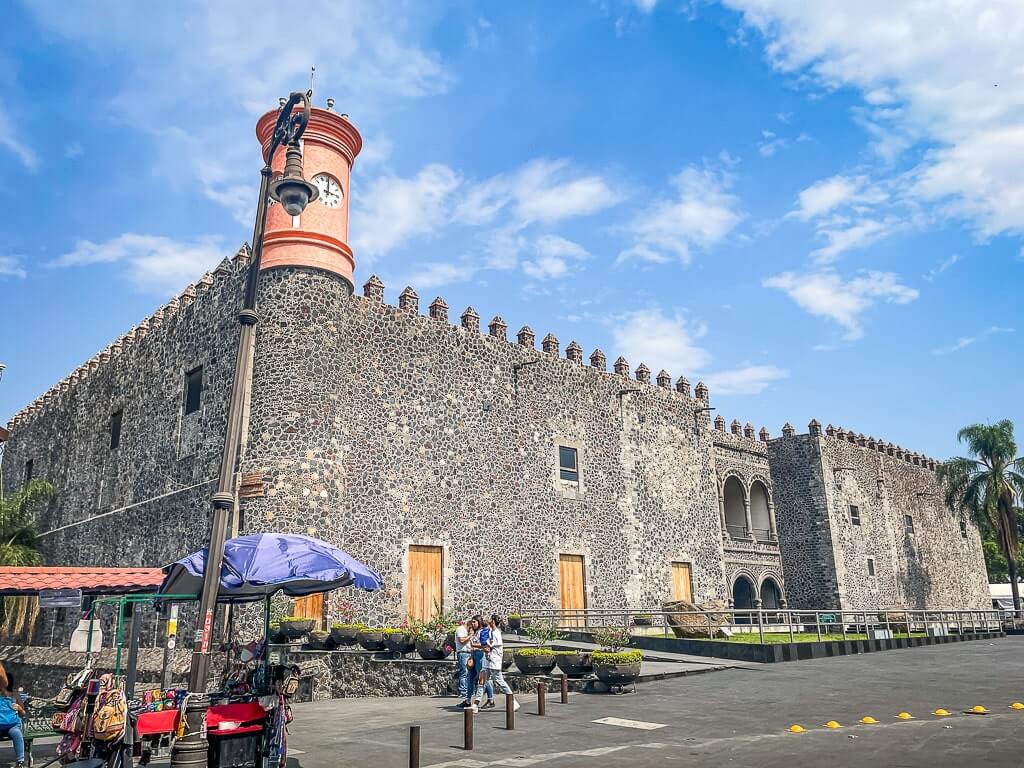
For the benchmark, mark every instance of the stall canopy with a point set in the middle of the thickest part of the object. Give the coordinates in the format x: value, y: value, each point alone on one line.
x: 29, y: 580
x: 261, y: 564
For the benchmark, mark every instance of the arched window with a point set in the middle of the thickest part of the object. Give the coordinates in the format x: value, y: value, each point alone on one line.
x: 743, y: 594
x: 771, y: 595
x: 735, y: 510
x: 759, y: 516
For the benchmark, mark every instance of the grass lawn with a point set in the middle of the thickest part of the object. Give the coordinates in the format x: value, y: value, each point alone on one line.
x: 777, y: 638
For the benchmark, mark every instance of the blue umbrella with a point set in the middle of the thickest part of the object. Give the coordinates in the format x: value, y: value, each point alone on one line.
x: 260, y: 564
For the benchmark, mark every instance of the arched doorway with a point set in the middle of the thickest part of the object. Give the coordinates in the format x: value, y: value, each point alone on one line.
x: 735, y: 509
x: 771, y: 595
x: 743, y: 593
x: 759, y: 515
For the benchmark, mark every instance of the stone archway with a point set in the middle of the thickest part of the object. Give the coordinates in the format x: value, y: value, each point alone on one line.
x: 743, y: 595
x: 760, y: 517
x: 771, y: 595
x: 734, y: 499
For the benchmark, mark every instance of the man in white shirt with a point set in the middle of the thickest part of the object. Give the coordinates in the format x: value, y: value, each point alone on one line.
x: 494, y: 651
x: 463, y: 653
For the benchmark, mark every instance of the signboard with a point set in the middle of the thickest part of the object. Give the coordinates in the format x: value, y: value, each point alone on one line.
x: 60, y: 598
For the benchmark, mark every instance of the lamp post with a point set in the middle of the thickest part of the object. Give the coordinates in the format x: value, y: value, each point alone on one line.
x: 293, y: 192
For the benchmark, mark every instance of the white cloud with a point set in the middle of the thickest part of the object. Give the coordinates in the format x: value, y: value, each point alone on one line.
x: 542, y: 190
x: 945, y: 264
x: 749, y: 380
x: 368, y: 57
x: 844, y: 238
x: 826, y: 294
x: 436, y: 274
x: 701, y: 215
x: 394, y: 209
x: 943, y: 75
x: 554, y: 257
x: 645, y: 6
x: 659, y: 340
x: 965, y: 341
x: 826, y: 195
x: 73, y: 149
x: 152, y: 263
x: 10, y: 266
x: 12, y: 142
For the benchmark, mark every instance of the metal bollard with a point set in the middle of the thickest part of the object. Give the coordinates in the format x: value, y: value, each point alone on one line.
x: 565, y: 688
x: 541, y: 691
x: 414, y: 746
x: 467, y: 728
x: 510, y: 712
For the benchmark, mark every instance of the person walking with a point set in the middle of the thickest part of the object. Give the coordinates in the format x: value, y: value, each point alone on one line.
x: 463, y: 653
x: 11, y: 712
x: 493, y: 653
x: 481, y: 637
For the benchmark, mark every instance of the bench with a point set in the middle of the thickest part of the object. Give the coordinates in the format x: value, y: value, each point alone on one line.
x: 37, y: 723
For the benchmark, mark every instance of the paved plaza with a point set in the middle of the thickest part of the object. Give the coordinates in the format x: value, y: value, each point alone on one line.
x: 735, y: 716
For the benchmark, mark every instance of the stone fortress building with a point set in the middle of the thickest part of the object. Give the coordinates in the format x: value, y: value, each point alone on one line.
x: 468, y: 467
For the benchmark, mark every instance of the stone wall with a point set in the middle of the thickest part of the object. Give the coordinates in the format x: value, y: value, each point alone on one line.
x: 163, y: 473
x: 376, y: 427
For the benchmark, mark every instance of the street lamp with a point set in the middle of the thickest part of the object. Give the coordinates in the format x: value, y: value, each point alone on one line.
x: 294, y: 193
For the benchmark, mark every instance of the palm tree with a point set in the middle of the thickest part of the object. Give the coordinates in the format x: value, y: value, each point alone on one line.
x: 988, y: 486
x: 18, y: 548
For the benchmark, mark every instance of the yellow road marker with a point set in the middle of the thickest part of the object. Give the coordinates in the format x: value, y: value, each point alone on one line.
x: 941, y: 712
x: 796, y: 729
x: 905, y: 716
x: 868, y: 720
x: 977, y: 709
x: 1017, y: 705
x: 832, y: 724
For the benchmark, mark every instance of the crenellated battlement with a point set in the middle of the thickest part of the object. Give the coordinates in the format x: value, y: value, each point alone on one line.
x: 497, y: 328
x: 868, y: 443
x: 739, y: 435
x: 192, y: 293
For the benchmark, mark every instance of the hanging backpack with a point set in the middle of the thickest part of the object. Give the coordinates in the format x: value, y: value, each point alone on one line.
x: 111, y: 711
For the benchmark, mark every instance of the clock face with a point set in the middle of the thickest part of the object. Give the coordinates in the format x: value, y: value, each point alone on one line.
x: 330, y: 190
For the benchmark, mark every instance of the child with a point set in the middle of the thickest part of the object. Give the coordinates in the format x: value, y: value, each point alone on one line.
x: 11, y: 713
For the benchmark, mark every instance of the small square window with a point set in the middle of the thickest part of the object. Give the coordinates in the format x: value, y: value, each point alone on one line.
x: 908, y: 523
x: 871, y: 566
x: 963, y: 527
x: 28, y: 470
x: 115, y: 429
x: 568, y: 469
x: 193, y: 390
x: 854, y: 514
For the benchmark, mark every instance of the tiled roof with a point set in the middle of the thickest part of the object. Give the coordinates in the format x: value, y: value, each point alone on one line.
x: 17, y: 580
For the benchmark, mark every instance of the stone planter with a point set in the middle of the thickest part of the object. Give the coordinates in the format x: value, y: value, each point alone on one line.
x: 535, y: 664
x: 400, y: 643
x: 345, y: 635
x: 575, y: 664
x: 294, y: 630
x: 617, y: 675
x: 371, y: 639
x: 515, y: 623
x: 428, y: 649
x: 643, y: 621
x: 318, y: 641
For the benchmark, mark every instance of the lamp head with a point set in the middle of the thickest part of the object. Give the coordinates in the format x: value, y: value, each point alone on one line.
x: 291, y: 190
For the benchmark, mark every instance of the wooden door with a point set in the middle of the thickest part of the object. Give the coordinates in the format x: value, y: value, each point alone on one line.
x: 682, y: 582
x: 310, y: 607
x: 573, y: 590
x: 424, y: 598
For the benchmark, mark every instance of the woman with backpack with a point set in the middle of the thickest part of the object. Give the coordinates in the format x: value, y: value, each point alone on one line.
x: 11, y: 712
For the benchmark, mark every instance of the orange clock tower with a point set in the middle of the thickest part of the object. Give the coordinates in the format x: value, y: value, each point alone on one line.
x: 319, y: 237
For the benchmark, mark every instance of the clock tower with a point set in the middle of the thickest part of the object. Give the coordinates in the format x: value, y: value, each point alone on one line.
x: 318, y: 238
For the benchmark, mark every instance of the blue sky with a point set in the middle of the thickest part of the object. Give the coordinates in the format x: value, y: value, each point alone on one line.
x: 816, y: 208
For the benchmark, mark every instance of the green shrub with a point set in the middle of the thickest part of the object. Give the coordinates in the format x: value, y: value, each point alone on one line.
x: 542, y: 633
x: 616, y: 657
x: 515, y: 616
x: 611, y: 639
x: 372, y: 629
x: 565, y: 653
x: 348, y: 626
x: 290, y: 619
x: 541, y: 651
x: 395, y: 631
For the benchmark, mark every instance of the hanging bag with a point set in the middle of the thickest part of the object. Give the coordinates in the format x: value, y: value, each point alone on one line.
x: 88, y: 636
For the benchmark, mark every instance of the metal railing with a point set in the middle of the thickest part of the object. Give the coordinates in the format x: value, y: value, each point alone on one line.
x: 737, y: 531
x: 872, y: 623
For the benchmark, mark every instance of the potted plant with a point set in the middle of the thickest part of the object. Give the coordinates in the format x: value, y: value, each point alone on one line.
x: 614, y: 666
x: 515, y: 622
x: 295, y: 627
x: 539, y: 660
x: 643, y: 620
x: 276, y: 635
x: 574, y: 663
x: 435, y: 637
x: 371, y: 638
x: 346, y: 634
x: 399, y: 640
x: 317, y: 640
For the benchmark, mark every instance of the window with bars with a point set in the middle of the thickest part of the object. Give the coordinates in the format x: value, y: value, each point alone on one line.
x: 908, y: 523
x: 568, y: 464
x: 855, y: 514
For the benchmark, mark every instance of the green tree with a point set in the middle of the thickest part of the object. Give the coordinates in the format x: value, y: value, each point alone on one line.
x: 988, y: 485
x: 18, y: 548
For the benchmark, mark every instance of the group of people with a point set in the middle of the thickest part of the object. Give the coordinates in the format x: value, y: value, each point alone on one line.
x: 478, y: 651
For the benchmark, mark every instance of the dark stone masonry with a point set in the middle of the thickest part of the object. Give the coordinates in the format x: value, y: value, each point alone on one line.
x: 385, y: 431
